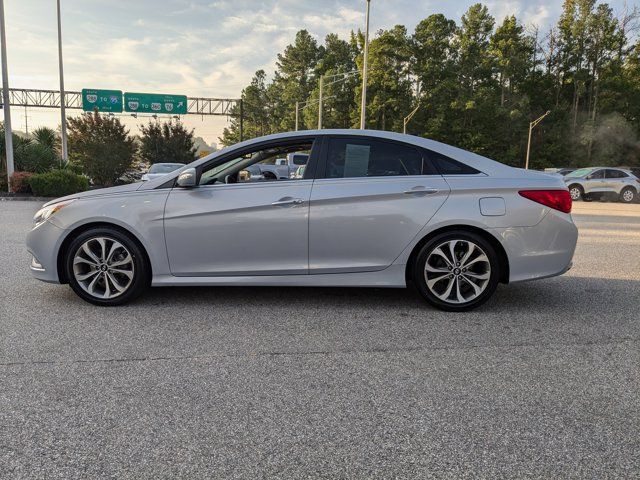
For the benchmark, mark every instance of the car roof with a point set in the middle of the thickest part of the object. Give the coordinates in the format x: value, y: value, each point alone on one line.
x: 476, y: 161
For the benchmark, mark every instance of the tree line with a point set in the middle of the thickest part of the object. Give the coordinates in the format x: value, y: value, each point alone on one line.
x: 477, y: 84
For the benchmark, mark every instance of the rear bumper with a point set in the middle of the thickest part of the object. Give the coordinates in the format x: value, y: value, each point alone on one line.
x: 544, y: 250
x: 43, y: 243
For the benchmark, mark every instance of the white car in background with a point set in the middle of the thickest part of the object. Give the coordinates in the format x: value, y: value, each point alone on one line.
x: 594, y: 183
x: 160, y: 169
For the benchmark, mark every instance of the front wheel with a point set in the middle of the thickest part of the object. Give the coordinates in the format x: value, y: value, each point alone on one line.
x: 457, y: 271
x: 576, y: 192
x: 628, y: 195
x: 106, y: 267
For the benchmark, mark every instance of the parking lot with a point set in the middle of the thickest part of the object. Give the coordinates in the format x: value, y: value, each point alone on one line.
x: 543, y: 381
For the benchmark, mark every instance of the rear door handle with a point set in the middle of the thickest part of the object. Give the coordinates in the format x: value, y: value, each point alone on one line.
x: 421, y: 191
x: 288, y: 201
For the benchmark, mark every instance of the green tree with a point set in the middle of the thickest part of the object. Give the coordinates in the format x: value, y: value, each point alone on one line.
x: 101, y: 146
x: 166, y: 142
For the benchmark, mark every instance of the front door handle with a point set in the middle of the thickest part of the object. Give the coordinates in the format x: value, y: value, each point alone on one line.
x: 288, y: 201
x: 421, y: 191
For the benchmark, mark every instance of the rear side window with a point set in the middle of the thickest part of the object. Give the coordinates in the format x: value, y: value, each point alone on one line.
x: 449, y: 166
x: 616, y: 174
x: 352, y: 158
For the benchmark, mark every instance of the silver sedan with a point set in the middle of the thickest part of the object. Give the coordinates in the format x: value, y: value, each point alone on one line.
x: 373, y: 209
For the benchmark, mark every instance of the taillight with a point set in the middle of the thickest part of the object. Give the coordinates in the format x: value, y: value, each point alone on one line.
x: 556, y: 199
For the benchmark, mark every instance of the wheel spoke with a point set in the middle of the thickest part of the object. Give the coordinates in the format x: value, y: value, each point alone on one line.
x: 91, y: 287
x: 87, y: 276
x: 476, y: 288
x: 445, y: 295
x: 438, y: 251
x: 435, y: 280
x: 471, y: 247
x: 480, y: 258
x: 128, y: 273
x: 103, y: 248
x: 479, y: 276
x: 114, y: 246
x: 79, y: 260
x: 459, y: 296
x: 92, y: 256
x: 452, y: 251
x: 107, y: 288
x: 121, y: 288
x: 432, y: 269
x: 126, y: 260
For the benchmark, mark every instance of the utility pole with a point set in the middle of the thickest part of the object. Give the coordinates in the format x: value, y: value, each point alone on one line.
x: 363, y: 106
x: 297, y: 114
x: 63, y: 115
x: 320, y: 103
x: 6, y: 101
x: 532, y: 125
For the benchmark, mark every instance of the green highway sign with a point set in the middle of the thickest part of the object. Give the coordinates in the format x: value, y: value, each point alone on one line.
x: 101, y: 100
x: 155, y: 103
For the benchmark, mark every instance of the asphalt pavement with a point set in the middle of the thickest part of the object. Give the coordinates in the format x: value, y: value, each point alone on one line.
x: 543, y: 381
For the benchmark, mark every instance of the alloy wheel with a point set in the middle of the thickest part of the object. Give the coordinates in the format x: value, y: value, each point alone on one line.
x: 103, y: 267
x: 575, y: 193
x: 627, y: 196
x: 457, y: 271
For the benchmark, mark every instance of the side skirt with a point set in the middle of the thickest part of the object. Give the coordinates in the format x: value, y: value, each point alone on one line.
x: 391, y: 277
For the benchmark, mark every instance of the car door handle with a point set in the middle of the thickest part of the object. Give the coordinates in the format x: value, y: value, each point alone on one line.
x: 421, y: 191
x: 288, y: 201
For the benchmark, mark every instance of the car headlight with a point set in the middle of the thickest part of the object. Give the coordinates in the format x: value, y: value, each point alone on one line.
x: 44, y: 213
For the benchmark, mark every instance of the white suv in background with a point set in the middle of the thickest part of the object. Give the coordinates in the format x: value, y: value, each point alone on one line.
x: 592, y: 183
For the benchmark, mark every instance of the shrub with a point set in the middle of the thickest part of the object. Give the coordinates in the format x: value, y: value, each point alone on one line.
x: 58, y: 183
x: 3, y: 181
x: 101, y: 145
x: 20, y: 182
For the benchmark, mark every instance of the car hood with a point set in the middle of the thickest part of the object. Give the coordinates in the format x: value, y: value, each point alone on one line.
x: 99, y: 192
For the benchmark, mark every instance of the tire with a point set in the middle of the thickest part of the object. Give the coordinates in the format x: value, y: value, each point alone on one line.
x: 447, y: 285
x: 628, y: 195
x: 106, y: 267
x: 576, y: 192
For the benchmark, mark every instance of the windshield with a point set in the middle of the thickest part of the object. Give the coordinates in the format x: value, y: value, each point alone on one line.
x: 165, y: 167
x: 581, y: 172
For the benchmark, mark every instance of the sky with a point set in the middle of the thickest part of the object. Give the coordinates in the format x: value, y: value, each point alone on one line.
x: 208, y: 48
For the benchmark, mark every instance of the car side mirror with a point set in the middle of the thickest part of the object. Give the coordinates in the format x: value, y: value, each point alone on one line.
x: 187, y: 179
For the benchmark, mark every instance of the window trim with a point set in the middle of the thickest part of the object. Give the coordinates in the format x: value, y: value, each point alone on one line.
x: 321, y: 173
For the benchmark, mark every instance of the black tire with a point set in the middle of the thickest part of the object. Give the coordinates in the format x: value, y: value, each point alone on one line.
x: 628, y: 195
x: 576, y: 192
x: 141, y: 273
x: 420, y: 281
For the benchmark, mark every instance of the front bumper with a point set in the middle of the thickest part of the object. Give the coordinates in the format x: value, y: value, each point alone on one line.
x: 43, y: 243
x: 544, y: 250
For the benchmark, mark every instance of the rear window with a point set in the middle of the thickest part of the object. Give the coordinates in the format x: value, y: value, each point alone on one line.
x: 579, y: 173
x: 449, y: 166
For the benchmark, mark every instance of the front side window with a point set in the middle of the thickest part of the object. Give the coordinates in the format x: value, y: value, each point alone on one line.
x: 267, y: 164
x: 598, y: 174
x: 352, y: 158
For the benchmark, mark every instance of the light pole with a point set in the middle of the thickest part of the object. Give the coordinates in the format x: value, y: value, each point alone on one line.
x: 532, y: 125
x: 63, y: 123
x: 6, y: 101
x: 408, y: 118
x: 363, y: 106
x: 303, y: 105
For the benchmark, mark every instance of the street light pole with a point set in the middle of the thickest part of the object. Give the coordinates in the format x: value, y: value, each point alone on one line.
x: 63, y: 123
x: 363, y: 106
x: 532, y: 125
x: 320, y: 103
x: 8, y: 135
x: 297, y: 114
x: 408, y: 118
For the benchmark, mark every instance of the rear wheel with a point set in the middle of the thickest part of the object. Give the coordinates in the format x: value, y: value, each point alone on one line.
x: 628, y: 195
x: 106, y: 267
x: 457, y: 271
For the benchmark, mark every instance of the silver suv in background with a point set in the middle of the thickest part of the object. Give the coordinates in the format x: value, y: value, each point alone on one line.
x: 594, y: 183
